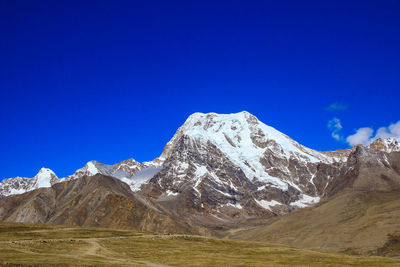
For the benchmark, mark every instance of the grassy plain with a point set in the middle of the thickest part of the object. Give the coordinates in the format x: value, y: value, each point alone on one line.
x: 43, y: 245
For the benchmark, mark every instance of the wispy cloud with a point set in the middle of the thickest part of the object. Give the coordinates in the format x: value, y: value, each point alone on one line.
x: 335, y: 126
x: 364, y: 136
x: 337, y: 106
x: 392, y: 131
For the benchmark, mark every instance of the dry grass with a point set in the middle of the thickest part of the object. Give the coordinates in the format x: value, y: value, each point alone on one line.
x: 357, y: 223
x: 77, y: 246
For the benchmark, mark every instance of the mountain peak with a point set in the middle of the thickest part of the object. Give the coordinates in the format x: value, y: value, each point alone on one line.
x: 45, y: 178
x: 209, y: 126
x: 246, y: 142
x: 391, y: 144
x: 44, y: 170
x: 199, y: 116
x: 215, y: 121
x: 240, y: 134
x: 240, y: 129
x: 91, y: 167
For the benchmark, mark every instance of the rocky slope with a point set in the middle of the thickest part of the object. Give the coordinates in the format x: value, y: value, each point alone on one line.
x: 361, y: 210
x: 386, y: 145
x: 90, y: 201
x: 354, y: 222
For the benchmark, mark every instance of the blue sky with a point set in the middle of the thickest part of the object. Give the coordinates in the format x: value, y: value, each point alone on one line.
x: 111, y: 80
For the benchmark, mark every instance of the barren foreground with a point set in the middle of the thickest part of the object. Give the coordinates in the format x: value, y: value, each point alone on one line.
x: 76, y: 246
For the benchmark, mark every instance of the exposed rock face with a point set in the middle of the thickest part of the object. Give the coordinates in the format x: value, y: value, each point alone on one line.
x: 90, y: 201
x: 368, y: 170
x: 218, y: 167
x: 386, y: 145
x: 229, y: 166
x: 360, y: 210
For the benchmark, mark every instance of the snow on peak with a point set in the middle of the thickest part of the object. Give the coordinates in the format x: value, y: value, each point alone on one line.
x: 129, y: 171
x: 43, y: 178
x: 94, y: 167
x: 207, y: 118
x: 245, y: 140
x: 391, y: 144
x: 44, y: 170
x: 91, y: 168
x: 239, y: 130
x: 19, y: 185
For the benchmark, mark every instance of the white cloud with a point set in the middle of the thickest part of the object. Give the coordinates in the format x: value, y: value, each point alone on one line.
x: 336, y: 107
x: 334, y: 125
x: 382, y: 133
x: 363, y: 136
x: 386, y: 132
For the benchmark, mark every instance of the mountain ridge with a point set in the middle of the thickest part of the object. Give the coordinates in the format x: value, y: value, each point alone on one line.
x: 225, y: 166
x: 98, y: 200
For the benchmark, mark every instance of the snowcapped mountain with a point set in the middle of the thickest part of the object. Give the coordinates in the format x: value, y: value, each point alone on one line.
x: 129, y: 171
x: 223, y: 166
x: 123, y: 169
x: 386, y: 145
x: 18, y: 185
x: 234, y: 165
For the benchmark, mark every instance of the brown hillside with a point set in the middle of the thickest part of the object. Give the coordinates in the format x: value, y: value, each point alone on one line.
x: 358, y: 222
x: 90, y: 201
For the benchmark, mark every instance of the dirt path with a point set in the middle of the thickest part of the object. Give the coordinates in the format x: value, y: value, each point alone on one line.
x: 94, y: 248
x: 97, y: 250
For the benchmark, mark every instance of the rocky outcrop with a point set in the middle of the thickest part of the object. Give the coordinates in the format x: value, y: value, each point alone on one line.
x: 386, y: 145
x: 368, y: 170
